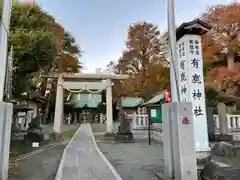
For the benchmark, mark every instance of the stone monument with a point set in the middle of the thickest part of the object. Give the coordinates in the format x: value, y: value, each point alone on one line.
x: 124, y: 133
x: 191, y: 82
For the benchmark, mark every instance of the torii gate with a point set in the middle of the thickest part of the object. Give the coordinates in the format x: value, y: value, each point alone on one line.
x: 84, y: 81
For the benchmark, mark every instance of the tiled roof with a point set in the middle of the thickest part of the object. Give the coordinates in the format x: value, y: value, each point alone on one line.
x: 155, y: 99
x: 131, y: 102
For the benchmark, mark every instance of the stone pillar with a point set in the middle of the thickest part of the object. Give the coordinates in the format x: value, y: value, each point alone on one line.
x: 184, y: 154
x: 167, y: 142
x: 223, y: 124
x: 58, y: 116
x: 6, y: 111
x: 210, y: 122
x: 234, y: 123
x: 109, y: 106
x: 216, y: 119
x: 191, y: 84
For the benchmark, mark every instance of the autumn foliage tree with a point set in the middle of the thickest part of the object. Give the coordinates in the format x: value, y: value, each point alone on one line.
x: 143, y: 60
x: 221, y: 45
x: 225, y: 22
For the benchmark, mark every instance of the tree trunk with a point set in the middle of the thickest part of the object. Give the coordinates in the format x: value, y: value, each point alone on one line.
x: 230, y: 61
x: 46, y: 112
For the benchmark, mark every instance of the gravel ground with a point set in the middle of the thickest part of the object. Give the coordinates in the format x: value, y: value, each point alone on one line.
x: 42, y: 166
x: 101, y: 128
x: 134, y: 161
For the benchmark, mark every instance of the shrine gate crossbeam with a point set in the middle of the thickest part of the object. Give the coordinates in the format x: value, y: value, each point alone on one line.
x: 83, y: 81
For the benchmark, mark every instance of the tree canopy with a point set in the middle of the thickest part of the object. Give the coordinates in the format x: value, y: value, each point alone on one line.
x: 143, y: 59
x: 221, y: 47
x: 145, y: 55
x: 33, y: 41
x: 225, y: 22
x: 39, y: 43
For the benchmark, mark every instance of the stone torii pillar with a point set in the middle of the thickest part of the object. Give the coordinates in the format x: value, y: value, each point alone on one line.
x: 109, y: 107
x: 58, y: 115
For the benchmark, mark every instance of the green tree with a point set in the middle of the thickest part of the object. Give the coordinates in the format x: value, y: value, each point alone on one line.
x: 66, y: 61
x: 68, y: 58
x: 70, y: 45
x: 33, y: 40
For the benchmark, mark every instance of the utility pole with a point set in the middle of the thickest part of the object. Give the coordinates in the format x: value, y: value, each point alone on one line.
x: 4, y: 32
x: 167, y: 122
x: 6, y: 109
x: 172, y: 51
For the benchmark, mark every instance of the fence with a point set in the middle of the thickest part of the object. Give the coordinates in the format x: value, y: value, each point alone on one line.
x: 140, y: 126
x: 233, y: 122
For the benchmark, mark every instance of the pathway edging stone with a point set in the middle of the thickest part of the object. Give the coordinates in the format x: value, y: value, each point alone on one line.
x: 60, y: 167
x: 115, y: 173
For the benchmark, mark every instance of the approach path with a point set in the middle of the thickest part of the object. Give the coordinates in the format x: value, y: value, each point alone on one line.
x: 82, y: 160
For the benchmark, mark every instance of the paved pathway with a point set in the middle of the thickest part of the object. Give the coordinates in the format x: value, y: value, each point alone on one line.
x: 82, y: 160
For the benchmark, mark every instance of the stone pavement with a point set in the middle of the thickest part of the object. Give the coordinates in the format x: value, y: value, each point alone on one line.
x: 233, y: 171
x: 134, y: 161
x: 83, y: 160
x: 139, y: 161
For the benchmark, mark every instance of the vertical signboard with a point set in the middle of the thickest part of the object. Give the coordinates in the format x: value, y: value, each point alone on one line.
x: 182, y: 67
x: 192, y: 85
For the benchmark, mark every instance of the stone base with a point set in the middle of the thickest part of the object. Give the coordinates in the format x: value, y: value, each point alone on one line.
x: 31, y: 137
x: 124, y: 137
x: 224, y: 149
x: 220, y: 137
x: 203, y: 158
x: 57, y: 137
x: 109, y: 136
x: 212, y: 171
x: 225, y: 137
